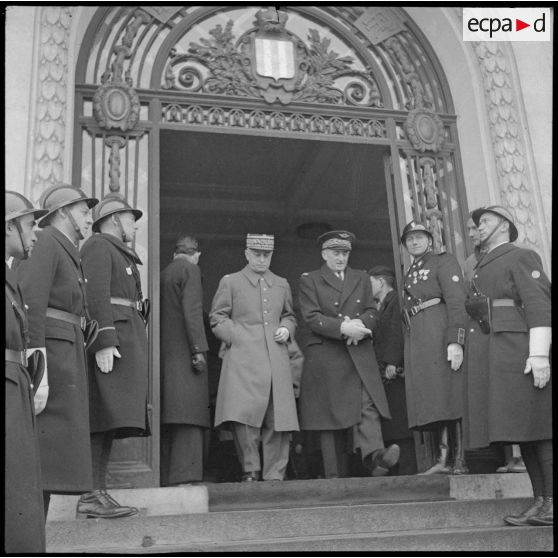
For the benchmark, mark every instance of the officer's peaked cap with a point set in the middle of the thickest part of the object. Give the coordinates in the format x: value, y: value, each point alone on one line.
x: 109, y: 205
x: 337, y: 240
x: 501, y: 212
x: 381, y: 271
x: 415, y: 226
x: 62, y: 195
x: 18, y: 205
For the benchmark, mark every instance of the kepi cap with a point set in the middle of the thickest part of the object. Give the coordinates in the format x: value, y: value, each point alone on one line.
x: 501, y: 212
x: 381, y: 271
x: 260, y: 242
x: 17, y: 205
x: 337, y: 240
x: 415, y: 226
x: 62, y: 195
x: 109, y: 205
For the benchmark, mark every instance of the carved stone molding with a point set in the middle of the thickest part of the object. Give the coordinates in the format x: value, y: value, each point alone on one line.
x: 516, y: 193
x: 49, y: 128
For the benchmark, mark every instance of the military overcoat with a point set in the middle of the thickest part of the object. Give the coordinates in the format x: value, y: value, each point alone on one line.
x: 184, y: 392
x: 434, y: 391
x: 503, y: 404
x: 52, y: 278
x: 118, y: 400
x: 330, y: 393
x: 246, y: 311
x: 24, y: 520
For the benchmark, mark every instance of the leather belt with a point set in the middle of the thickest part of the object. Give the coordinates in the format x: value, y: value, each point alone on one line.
x: 503, y: 302
x: 74, y: 319
x: 414, y: 310
x: 137, y: 304
x: 16, y: 356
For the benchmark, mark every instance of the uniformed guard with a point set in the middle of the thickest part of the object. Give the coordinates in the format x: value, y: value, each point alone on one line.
x: 118, y: 359
x: 252, y: 314
x: 508, y: 368
x: 433, y: 307
x: 24, y: 519
x: 53, y: 287
x: 341, y: 388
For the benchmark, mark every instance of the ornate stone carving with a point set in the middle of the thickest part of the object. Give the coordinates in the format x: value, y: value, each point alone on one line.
x: 115, y: 143
x: 378, y: 23
x: 116, y: 103
x: 285, y: 121
x: 272, y: 63
x: 516, y: 192
x: 50, y: 125
x: 431, y: 202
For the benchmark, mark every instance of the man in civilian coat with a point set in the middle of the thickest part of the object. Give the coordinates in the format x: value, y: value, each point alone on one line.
x: 24, y: 519
x: 508, y: 367
x: 118, y: 360
x: 53, y: 287
x: 388, y: 344
x: 252, y: 315
x: 341, y: 386
x: 184, y: 380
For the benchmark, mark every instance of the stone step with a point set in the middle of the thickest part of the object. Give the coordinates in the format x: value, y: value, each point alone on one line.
x: 273, y: 528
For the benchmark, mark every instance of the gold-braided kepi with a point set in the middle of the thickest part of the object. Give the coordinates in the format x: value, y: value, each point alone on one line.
x: 260, y: 242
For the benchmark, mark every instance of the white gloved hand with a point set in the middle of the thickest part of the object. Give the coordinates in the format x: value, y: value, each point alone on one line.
x: 281, y: 335
x: 540, y: 367
x: 455, y: 355
x: 105, y: 359
x: 354, y: 330
x: 41, y: 395
x: 391, y: 371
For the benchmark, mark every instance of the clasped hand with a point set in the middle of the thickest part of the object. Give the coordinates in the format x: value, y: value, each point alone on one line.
x: 354, y: 330
x: 281, y: 335
x: 105, y: 359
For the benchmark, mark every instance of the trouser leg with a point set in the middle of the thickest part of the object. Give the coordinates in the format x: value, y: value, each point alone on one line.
x: 368, y: 432
x: 247, y: 441
x: 165, y: 444
x: 184, y: 453
x: 332, y: 445
x: 101, y: 446
x: 545, y: 459
x: 534, y: 470
x: 275, y: 447
x: 46, y: 501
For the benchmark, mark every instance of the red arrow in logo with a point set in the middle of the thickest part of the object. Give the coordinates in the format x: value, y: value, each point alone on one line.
x: 519, y: 25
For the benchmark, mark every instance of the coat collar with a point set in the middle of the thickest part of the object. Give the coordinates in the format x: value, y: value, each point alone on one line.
x: 496, y: 253
x: 65, y: 242
x: 345, y: 287
x: 331, y: 279
x: 254, y: 277
x: 122, y: 246
x: 11, y: 278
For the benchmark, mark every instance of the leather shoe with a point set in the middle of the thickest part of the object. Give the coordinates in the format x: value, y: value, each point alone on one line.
x: 100, y: 504
x: 438, y: 469
x: 545, y: 514
x: 383, y: 459
x: 460, y: 467
x: 521, y: 519
x: 252, y: 476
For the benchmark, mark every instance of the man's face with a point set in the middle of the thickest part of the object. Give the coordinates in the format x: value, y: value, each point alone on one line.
x: 473, y: 232
x: 193, y: 258
x: 129, y: 225
x: 82, y: 216
x: 376, y: 283
x: 336, y: 260
x: 488, y: 223
x: 417, y: 243
x: 258, y: 260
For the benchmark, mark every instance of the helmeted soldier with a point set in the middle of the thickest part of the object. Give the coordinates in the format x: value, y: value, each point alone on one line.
x: 433, y: 306
x: 341, y: 388
x: 24, y: 519
x: 118, y: 359
x: 53, y: 284
x: 508, y: 368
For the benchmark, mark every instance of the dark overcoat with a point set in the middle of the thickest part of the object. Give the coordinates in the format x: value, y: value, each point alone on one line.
x: 388, y: 344
x: 184, y: 392
x: 24, y: 520
x: 434, y: 391
x: 330, y: 392
x: 503, y: 404
x: 246, y: 311
x: 118, y: 400
x: 52, y: 277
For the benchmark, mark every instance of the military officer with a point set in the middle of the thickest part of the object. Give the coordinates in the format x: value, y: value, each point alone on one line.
x: 252, y: 315
x: 434, y: 299
x: 508, y: 370
x: 118, y: 374
x: 24, y: 519
x: 53, y: 286
x: 341, y: 388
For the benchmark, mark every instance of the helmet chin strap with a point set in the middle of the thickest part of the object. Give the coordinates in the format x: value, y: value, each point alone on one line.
x: 74, y: 224
x: 26, y: 248
x: 120, y: 227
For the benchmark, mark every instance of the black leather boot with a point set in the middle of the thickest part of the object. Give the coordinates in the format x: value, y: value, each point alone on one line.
x: 441, y: 466
x: 545, y: 514
x: 459, y: 466
x: 528, y: 512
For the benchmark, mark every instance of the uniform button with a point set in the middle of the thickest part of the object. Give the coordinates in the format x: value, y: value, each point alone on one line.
x: 357, y: 314
x: 265, y: 323
x: 476, y: 276
x: 472, y: 329
x: 265, y: 311
x: 408, y: 298
x: 335, y: 304
x: 358, y: 299
x: 339, y: 315
x: 265, y: 299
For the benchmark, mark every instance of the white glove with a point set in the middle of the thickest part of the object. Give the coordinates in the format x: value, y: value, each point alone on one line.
x: 455, y: 355
x: 281, y: 335
x: 105, y: 359
x: 391, y: 371
x: 538, y: 362
x: 354, y: 330
x: 41, y: 395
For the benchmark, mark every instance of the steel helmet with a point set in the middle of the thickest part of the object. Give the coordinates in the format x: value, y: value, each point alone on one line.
x: 415, y: 226
x: 61, y: 195
x: 18, y: 205
x: 110, y: 204
x: 501, y: 212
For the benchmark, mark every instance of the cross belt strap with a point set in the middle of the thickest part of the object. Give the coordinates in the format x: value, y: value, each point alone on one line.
x: 414, y: 310
x: 16, y: 356
x: 74, y: 319
x: 137, y: 304
x: 503, y: 302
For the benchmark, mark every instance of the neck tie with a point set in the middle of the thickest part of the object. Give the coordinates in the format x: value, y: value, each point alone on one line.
x: 340, y: 275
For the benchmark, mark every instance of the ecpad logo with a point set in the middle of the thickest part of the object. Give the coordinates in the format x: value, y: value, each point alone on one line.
x: 506, y: 24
